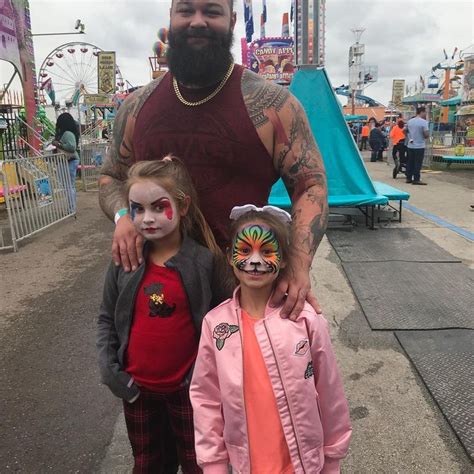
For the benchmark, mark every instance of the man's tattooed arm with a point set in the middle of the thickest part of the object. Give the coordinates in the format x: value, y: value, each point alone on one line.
x: 120, y: 155
x: 283, y: 127
x: 298, y: 161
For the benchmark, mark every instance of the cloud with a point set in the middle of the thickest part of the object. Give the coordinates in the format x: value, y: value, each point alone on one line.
x: 405, y: 38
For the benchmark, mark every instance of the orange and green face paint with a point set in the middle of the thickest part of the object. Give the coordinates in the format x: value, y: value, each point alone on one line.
x: 256, y: 250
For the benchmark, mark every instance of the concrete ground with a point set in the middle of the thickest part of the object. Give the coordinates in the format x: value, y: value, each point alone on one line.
x: 57, y: 418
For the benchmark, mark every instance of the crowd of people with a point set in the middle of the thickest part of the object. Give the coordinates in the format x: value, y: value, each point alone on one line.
x: 408, y: 142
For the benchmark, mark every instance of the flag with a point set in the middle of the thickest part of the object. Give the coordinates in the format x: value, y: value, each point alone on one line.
x: 262, y: 26
x: 248, y: 16
x: 48, y: 87
x: 292, y: 10
x: 285, y: 27
x: 76, y: 96
x: 422, y: 81
x: 264, y: 8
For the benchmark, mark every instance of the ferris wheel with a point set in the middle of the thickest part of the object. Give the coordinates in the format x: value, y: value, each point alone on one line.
x: 69, y: 72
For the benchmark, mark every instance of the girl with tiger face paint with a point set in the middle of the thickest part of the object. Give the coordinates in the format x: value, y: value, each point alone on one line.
x: 235, y: 375
x: 258, y: 247
x: 256, y: 250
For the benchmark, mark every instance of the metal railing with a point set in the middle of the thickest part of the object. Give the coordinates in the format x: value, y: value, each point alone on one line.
x: 37, y: 193
x: 92, y: 157
x: 33, y: 131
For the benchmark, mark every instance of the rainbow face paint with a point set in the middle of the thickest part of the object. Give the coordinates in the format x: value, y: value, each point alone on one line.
x: 256, y: 250
x: 152, y: 210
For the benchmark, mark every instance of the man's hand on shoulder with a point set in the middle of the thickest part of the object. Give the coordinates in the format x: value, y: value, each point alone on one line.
x: 127, y: 246
x: 294, y: 288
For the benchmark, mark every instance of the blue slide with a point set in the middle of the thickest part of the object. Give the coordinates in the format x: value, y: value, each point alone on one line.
x: 349, y: 184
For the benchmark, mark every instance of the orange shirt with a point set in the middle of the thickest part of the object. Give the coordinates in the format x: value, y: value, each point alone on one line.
x: 365, y: 131
x: 268, y: 449
x: 397, y: 134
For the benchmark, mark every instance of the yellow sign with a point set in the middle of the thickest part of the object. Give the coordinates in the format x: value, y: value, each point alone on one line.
x: 398, y: 91
x: 106, y: 72
x: 93, y: 99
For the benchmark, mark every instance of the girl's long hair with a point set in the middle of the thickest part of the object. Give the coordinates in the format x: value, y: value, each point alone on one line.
x: 172, y: 175
x: 66, y: 123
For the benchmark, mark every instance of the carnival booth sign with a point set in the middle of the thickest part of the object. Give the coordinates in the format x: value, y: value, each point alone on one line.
x: 272, y: 58
x: 106, y: 69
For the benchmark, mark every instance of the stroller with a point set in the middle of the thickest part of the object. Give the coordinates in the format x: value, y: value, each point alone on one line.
x: 400, y: 161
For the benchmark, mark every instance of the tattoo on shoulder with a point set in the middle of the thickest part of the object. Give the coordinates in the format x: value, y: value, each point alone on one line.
x: 144, y: 93
x: 260, y: 95
x: 125, y: 120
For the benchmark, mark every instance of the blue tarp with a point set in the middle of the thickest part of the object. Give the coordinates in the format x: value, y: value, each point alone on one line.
x: 348, y: 181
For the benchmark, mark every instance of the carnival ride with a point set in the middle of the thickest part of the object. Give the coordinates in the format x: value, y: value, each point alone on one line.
x: 345, y: 91
x: 70, y: 71
x: 158, y: 62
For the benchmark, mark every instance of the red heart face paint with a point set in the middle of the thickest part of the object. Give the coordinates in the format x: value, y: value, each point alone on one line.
x: 153, y: 210
x: 256, y: 250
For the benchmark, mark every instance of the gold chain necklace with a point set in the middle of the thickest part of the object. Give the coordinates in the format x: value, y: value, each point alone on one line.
x: 209, y: 97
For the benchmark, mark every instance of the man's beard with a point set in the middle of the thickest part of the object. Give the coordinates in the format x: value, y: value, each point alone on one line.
x: 201, y: 67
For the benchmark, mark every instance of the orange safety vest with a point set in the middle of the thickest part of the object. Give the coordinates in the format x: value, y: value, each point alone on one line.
x: 397, y: 134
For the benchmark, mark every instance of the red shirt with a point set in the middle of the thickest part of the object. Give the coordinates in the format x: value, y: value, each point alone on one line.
x: 163, y: 343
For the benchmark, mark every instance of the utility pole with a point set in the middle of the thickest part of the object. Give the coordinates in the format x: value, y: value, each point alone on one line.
x: 356, y: 66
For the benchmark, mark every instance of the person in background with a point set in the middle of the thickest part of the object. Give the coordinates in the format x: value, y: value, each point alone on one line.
x: 377, y: 143
x: 105, y: 133
x: 364, y: 137
x: 67, y: 141
x: 397, y: 135
x: 417, y: 132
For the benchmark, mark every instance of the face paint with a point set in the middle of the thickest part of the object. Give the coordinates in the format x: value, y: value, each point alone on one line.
x: 167, y: 208
x: 152, y: 210
x: 256, y: 250
x: 133, y: 210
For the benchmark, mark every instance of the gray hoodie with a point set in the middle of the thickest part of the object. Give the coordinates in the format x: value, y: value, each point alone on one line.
x: 202, y: 283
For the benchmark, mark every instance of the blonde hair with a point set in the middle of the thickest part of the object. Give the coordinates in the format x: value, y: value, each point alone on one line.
x: 172, y: 175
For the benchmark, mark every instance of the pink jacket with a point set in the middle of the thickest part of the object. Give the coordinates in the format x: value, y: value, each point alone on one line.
x: 313, y: 408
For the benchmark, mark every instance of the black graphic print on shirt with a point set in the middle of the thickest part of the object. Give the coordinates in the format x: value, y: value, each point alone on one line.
x: 309, y: 372
x: 156, y: 301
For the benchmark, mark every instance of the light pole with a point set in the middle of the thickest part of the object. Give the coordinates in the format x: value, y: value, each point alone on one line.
x: 79, y: 26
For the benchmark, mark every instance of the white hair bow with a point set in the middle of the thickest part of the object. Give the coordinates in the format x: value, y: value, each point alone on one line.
x: 238, y: 211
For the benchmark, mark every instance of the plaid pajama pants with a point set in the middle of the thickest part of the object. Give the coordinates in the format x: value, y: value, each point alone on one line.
x: 160, y: 425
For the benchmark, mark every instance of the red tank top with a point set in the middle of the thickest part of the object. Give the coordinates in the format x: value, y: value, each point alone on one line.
x: 228, y: 162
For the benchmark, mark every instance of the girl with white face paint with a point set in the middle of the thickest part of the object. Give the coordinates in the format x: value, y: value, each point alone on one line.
x: 266, y: 392
x: 150, y: 319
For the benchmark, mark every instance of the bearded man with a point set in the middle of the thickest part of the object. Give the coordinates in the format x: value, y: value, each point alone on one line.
x: 237, y: 134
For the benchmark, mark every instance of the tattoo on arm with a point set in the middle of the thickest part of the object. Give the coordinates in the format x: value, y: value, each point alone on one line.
x: 260, y: 95
x: 309, y: 221
x: 120, y: 155
x: 299, y: 163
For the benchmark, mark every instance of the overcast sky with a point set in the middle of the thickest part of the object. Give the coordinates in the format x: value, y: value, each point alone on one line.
x: 405, y: 38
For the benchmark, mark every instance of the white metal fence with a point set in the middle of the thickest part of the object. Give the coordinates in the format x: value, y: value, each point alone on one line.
x: 92, y: 157
x: 36, y: 193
